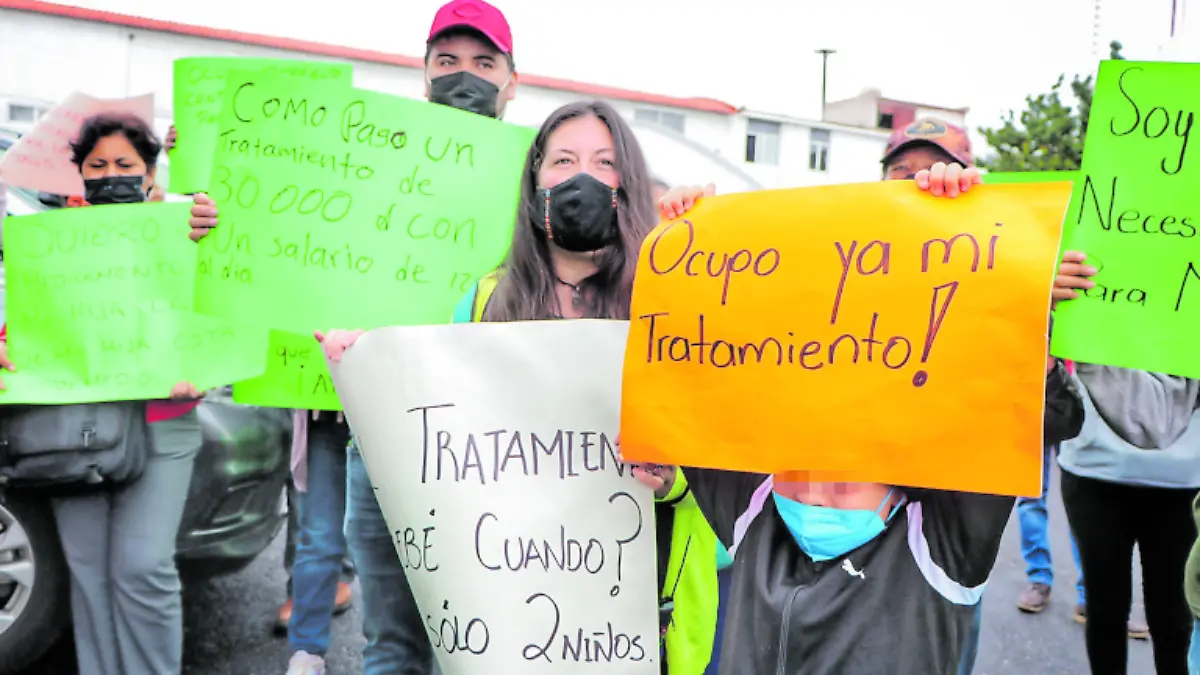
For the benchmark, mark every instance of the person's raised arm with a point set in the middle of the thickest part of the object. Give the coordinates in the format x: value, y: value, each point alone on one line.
x: 723, y: 496
x: 959, y: 538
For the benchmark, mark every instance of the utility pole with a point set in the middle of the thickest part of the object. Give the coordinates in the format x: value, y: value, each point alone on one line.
x: 824, y: 75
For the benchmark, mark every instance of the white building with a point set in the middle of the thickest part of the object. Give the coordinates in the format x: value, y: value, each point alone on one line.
x: 48, y: 50
x: 872, y: 110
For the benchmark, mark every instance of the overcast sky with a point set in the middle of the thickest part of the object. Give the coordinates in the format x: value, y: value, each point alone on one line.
x: 986, y: 54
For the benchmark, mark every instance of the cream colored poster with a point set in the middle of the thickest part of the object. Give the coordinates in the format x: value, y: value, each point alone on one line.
x: 491, y: 447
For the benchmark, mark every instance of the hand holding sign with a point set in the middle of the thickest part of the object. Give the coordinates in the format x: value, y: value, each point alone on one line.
x: 336, y: 342
x: 833, y: 329
x: 1074, y: 275
x: 948, y: 180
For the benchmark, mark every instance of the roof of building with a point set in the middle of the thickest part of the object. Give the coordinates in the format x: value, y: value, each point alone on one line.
x: 928, y: 106
x: 878, y: 134
x: 350, y: 53
x: 877, y: 94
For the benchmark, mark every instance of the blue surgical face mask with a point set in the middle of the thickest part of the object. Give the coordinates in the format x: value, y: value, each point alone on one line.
x: 826, y: 533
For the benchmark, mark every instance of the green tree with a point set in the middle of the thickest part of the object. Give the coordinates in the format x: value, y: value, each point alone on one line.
x: 1049, y: 134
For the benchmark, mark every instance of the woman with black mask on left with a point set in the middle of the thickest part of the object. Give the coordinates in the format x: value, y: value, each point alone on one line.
x: 120, y: 544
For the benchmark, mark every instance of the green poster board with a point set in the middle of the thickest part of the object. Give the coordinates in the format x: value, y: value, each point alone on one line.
x: 349, y: 208
x: 296, y: 377
x: 199, y: 94
x: 100, y: 309
x: 353, y: 209
x: 1136, y: 214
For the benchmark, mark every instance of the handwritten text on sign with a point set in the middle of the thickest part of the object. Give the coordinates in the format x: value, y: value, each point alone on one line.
x: 99, y: 309
x: 199, y: 95
x: 296, y: 376
x: 864, y: 329
x: 1136, y: 214
x: 344, y: 207
x: 528, y: 545
x: 41, y: 160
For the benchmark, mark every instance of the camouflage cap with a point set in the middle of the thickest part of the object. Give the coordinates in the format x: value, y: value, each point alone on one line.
x: 951, y: 139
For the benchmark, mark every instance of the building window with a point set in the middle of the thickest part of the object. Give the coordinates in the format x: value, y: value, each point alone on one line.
x: 671, y: 120
x: 818, y: 150
x: 886, y: 121
x: 762, y: 142
x: 19, y: 113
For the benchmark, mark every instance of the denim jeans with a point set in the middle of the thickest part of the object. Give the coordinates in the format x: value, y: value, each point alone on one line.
x: 966, y: 662
x: 289, y: 547
x: 320, y: 541
x: 1035, y: 533
x: 1194, y: 652
x: 397, y: 643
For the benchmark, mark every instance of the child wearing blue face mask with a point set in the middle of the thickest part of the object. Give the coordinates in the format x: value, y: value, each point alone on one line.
x: 854, y: 578
x: 825, y: 533
x: 858, y: 578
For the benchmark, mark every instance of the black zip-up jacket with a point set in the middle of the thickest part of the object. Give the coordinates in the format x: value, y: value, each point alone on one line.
x: 899, y: 605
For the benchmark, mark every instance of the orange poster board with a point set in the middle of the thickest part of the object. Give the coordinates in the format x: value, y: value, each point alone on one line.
x: 41, y: 160
x: 856, y: 332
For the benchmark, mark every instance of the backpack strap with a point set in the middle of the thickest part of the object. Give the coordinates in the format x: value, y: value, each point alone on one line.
x: 483, y: 292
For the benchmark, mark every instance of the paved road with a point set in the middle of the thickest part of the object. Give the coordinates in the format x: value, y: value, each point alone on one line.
x: 228, y: 622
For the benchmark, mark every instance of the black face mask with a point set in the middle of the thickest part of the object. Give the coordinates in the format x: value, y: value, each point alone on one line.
x: 465, y: 91
x: 114, y: 190
x: 579, y: 214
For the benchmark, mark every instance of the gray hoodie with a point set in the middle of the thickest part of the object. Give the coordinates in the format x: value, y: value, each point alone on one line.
x: 1138, y: 428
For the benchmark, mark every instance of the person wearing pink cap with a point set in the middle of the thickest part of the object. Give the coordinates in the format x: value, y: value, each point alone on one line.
x: 468, y: 59
x: 469, y: 66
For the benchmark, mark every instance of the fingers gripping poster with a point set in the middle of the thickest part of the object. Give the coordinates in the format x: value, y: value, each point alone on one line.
x: 492, y: 451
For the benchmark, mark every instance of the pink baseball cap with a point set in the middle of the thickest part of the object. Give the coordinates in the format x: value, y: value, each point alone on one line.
x: 477, y: 15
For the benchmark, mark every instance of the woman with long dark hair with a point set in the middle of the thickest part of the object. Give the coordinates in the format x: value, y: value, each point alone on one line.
x: 585, y: 206
x: 120, y: 544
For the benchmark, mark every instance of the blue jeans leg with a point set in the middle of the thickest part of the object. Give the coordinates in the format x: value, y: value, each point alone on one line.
x: 1035, y: 534
x: 289, y: 547
x: 397, y: 643
x: 320, y: 541
x: 724, y: 583
x: 1194, y: 652
x: 966, y: 662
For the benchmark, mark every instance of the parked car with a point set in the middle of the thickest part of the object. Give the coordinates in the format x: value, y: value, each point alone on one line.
x: 235, y: 507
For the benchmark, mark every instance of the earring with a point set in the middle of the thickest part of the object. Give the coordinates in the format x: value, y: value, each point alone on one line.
x: 549, y: 234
